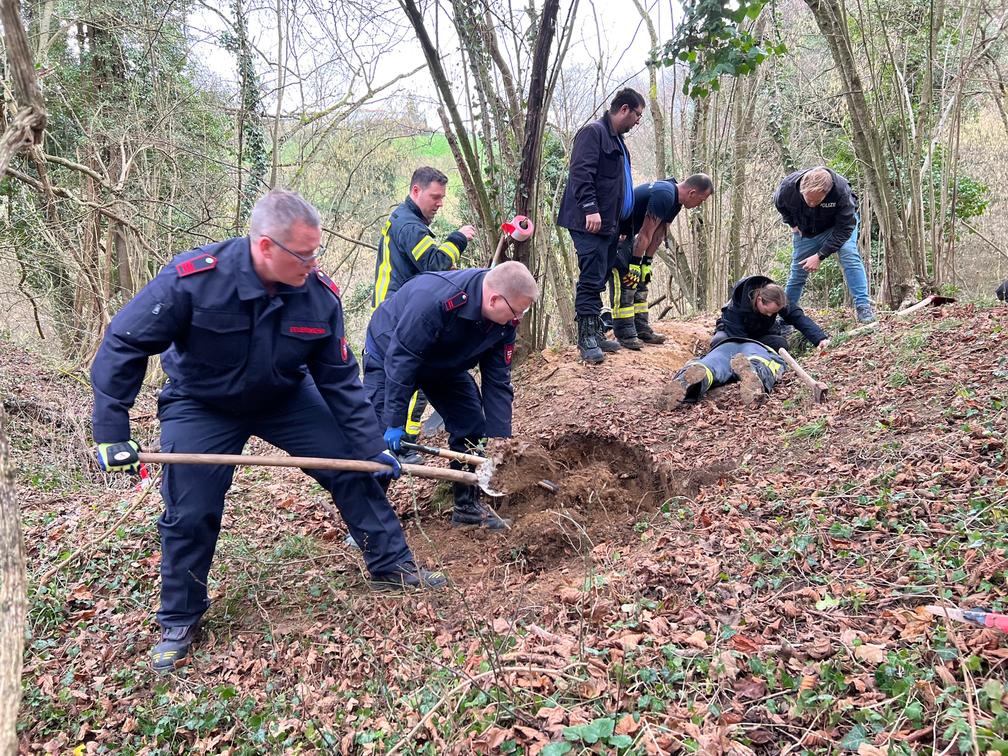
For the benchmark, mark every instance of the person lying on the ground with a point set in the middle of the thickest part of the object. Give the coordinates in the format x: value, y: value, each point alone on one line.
x: 1002, y: 291
x: 753, y: 311
x: 428, y: 335
x: 655, y: 205
x: 755, y: 365
x: 251, y: 337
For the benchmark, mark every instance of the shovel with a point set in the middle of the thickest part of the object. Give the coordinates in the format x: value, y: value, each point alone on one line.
x: 818, y: 388
x: 485, y: 466
x: 481, y: 479
x: 933, y: 300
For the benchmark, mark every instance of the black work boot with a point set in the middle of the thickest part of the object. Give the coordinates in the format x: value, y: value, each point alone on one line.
x: 408, y: 576
x: 587, y: 342
x: 174, y: 646
x: 470, y: 511
x: 756, y: 377
x: 626, y: 334
x: 606, y: 345
x: 644, y: 331
x: 408, y: 456
x: 689, y: 385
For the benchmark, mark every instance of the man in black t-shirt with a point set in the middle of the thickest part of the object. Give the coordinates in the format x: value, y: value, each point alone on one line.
x: 655, y: 206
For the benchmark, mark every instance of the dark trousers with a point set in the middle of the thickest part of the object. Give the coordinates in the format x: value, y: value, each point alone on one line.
x: 454, y: 395
x: 596, y: 258
x: 301, y: 425
x: 718, y: 360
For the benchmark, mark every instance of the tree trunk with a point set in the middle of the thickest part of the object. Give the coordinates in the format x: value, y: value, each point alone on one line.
x: 901, y: 282
x: 535, y: 118
x: 13, y: 604
x: 657, y: 114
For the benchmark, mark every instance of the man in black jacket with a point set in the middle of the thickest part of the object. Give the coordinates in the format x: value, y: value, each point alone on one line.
x: 819, y: 206
x: 598, y: 196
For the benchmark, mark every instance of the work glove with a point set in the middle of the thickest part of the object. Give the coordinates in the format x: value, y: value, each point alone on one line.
x: 633, y: 275
x: 393, y: 438
x: 121, y: 456
x: 387, y: 458
x: 646, y: 271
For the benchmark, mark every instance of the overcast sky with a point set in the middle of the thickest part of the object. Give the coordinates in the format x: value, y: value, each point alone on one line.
x: 612, y: 26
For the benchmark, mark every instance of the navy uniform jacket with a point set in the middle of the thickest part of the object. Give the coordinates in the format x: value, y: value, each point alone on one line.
x: 407, y: 247
x: 595, y: 180
x: 230, y: 345
x: 740, y: 319
x: 433, y: 327
x: 838, y: 211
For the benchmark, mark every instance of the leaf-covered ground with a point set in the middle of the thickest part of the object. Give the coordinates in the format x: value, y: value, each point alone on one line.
x: 708, y: 580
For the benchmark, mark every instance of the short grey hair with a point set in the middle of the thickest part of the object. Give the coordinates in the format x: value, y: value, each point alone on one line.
x: 278, y: 210
x: 513, y: 279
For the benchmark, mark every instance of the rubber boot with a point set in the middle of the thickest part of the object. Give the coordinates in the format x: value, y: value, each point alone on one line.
x: 587, y: 341
x: 623, y: 321
x: 626, y: 334
x: 757, y: 375
x: 689, y: 385
x: 470, y: 511
x: 644, y: 330
x: 606, y: 345
x: 174, y: 646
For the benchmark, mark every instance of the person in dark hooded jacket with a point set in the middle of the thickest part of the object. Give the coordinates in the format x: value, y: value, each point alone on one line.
x: 1002, y: 291
x: 752, y: 313
x: 744, y: 346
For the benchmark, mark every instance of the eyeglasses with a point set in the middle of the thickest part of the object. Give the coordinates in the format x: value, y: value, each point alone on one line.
x: 307, y: 260
x: 517, y: 317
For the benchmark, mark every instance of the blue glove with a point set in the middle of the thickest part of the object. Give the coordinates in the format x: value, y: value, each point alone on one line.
x: 387, y: 458
x: 393, y: 438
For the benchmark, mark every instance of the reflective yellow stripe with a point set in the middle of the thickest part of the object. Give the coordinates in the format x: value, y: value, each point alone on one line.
x: 640, y: 308
x: 384, y: 269
x: 413, y: 423
x: 710, y: 373
x: 452, y: 251
x: 618, y: 312
x: 772, y: 364
x: 421, y: 247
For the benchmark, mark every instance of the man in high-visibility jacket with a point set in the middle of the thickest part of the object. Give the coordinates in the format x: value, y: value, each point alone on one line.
x: 407, y: 246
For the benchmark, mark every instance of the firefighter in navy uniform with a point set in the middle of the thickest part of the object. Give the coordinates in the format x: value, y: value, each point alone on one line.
x: 407, y: 246
x: 255, y: 346
x: 429, y: 334
x: 655, y: 205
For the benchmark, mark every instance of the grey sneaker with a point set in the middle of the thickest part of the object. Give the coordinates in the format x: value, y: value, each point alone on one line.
x: 865, y: 314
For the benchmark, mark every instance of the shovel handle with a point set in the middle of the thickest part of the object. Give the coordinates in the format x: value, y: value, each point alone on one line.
x: 469, y: 459
x: 818, y: 388
x: 306, y: 463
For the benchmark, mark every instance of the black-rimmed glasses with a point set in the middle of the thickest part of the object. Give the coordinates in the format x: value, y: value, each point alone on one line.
x: 307, y: 260
x: 517, y: 317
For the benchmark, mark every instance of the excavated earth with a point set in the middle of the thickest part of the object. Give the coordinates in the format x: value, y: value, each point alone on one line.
x: 794, y: 530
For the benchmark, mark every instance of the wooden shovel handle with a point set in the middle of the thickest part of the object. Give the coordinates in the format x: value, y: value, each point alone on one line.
x: 819, y: 388
x: 307, y: 463
x: 437, y: 451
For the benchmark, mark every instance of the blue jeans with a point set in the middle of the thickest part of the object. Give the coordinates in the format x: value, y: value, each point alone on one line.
x: 850, y: 263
